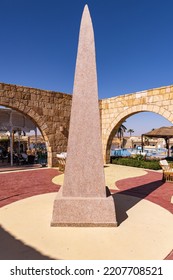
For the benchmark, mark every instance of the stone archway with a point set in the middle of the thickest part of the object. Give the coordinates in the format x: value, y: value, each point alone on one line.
x: 116, y: 109
x: 121, y: 117
x: 49, y: 110
x: 37, y: 124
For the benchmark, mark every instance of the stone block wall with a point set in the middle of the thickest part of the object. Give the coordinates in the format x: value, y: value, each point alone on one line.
x: 51, y: 112
x: 116, y: 109
x: 48, y: 109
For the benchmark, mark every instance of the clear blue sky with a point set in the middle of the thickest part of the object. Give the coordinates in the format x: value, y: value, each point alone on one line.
x: 134, y: 46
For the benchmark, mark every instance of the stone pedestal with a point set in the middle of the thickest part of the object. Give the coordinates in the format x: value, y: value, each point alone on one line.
x: 81, y: 211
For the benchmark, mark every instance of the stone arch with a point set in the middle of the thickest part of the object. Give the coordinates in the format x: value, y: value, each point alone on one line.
x: 36, y: 119
x: 49, y: 110
x: 115, y: 122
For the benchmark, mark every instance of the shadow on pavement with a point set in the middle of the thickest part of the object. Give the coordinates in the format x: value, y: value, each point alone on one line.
x: 13, y: 249
x: 133, y: 196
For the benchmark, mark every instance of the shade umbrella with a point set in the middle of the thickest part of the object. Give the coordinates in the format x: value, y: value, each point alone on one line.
x: 165, y: 132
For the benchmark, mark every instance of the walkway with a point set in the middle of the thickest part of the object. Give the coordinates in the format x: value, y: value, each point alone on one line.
x: 150, y: 187
x: 7, y: 167
x: 145, y: 229
x: 18, y: 185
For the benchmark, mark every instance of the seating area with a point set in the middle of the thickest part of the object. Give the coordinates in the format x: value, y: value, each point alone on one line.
x: 167, y: 170
x: 30, y: 157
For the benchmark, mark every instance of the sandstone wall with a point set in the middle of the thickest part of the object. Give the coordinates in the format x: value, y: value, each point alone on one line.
x: 48, y: 109
x: 51, y: 112
x: 116, y: 109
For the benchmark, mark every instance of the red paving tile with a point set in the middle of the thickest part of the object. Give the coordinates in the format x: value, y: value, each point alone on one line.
x: 150, y: 187
x: 19, y: 185
x: 170, y: 256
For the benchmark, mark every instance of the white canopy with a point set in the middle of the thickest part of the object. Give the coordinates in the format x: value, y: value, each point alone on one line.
x: 13, y: 120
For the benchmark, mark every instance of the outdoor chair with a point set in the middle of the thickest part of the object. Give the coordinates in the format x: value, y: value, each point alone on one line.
x: 61, y: 161
x: 167, y: 170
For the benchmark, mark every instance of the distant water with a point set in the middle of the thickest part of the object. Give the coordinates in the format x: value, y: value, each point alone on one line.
x: 120, y: 153
x: 150, y: 152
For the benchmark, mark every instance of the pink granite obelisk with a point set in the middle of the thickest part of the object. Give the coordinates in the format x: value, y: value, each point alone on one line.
x: 83, y: 201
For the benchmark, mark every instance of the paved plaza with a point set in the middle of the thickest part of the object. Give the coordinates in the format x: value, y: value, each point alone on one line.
x: 143, y: 207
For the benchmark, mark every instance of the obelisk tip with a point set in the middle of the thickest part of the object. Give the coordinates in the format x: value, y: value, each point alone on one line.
x: 86, y: 6
x: 86, y: 9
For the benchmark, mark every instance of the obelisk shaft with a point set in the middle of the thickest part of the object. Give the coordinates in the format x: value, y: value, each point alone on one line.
x: 83, y: 201
x: 84, y: 174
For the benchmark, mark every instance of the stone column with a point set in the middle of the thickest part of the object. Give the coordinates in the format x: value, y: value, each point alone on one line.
x: 83, y: 201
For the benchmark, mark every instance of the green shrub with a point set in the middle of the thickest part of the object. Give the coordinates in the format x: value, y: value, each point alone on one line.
x: 137, y: 162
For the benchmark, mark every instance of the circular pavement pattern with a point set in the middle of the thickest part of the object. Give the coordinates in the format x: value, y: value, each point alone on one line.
x: 145, y: 232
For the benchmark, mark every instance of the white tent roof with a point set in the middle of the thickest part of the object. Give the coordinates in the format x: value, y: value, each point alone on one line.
x: 10, y: 119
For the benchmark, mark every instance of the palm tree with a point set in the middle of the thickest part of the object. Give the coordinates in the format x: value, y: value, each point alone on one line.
x: 130, y: 131
x: 121, y: 130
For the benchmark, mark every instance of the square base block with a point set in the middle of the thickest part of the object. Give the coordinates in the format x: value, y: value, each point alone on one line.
x: 81, y: 212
